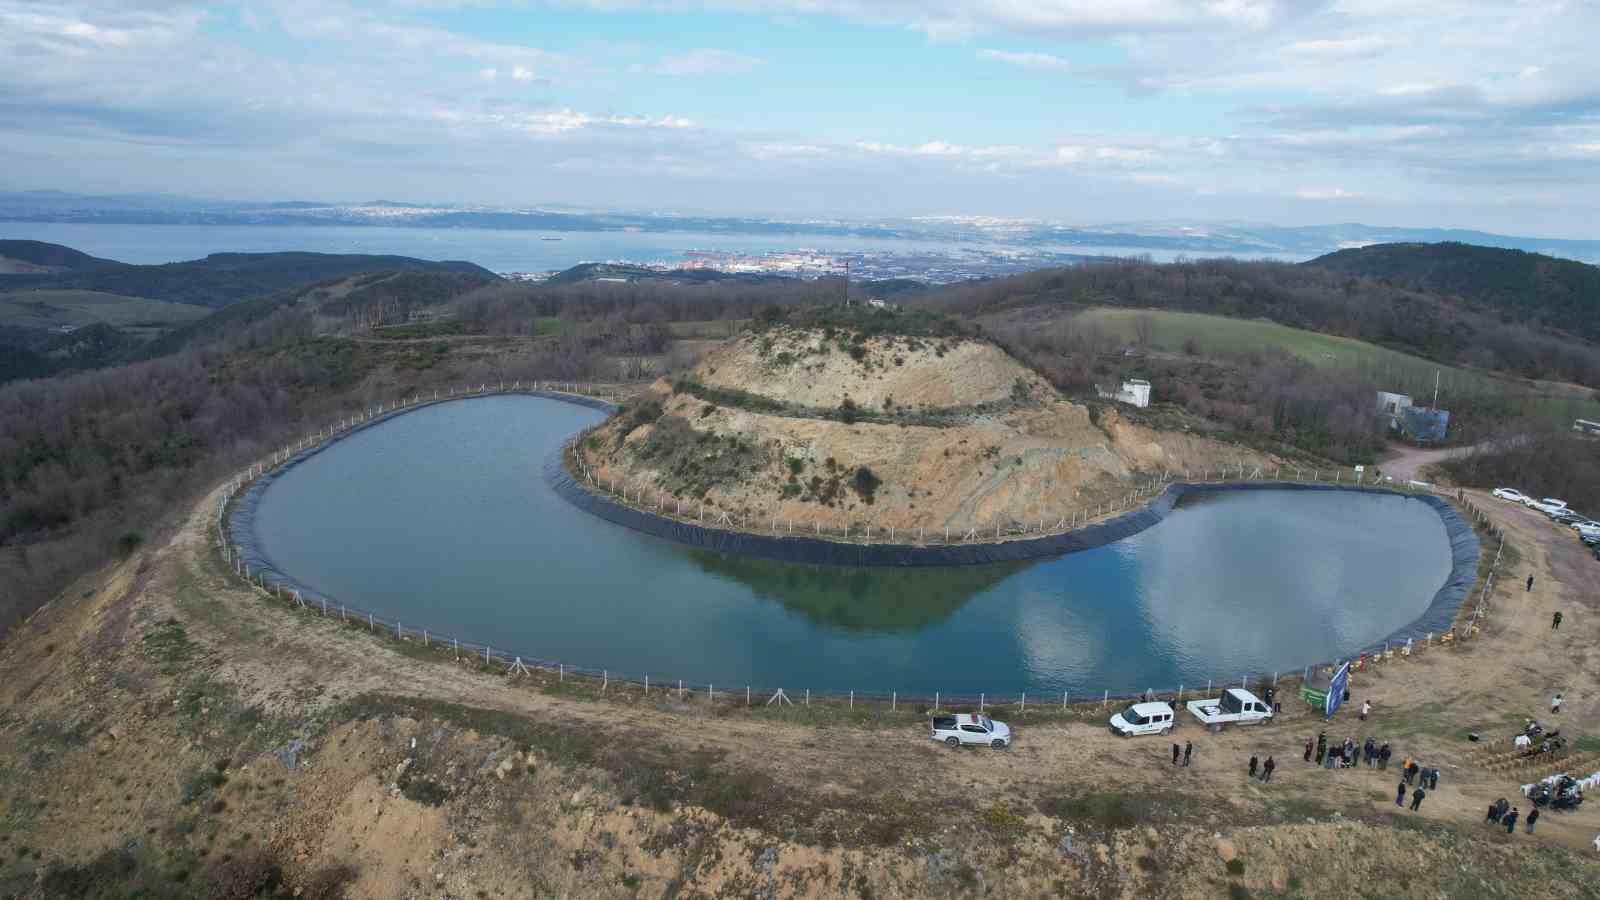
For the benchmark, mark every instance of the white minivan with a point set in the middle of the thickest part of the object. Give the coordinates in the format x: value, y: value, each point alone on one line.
x: 1144, y: 718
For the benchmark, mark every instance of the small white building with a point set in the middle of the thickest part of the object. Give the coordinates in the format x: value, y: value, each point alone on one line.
x: 1391, y: 404
x: 1135, y: 391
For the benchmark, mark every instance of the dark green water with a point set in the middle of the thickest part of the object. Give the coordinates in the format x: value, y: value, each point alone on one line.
x: 441, y: 518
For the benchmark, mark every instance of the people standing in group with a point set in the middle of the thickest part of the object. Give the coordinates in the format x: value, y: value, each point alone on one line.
x: 1509, y: 820
x: 1366, y: 707
x: 1416, y: 798
x: 1496, y: 810
x: 1383, y: 757
x: 1322, y: 745
x: 1369, y: 752
x: 1555, y: 621
x: 1174, y: 754
x: 1266, y: 770
x: 1405, y: 770
x: 1533, y: 816
x: 1328, y: 761
x: 1555, y: 704
x: 1400, y: 794
x: 1188, y: 751
x: 1310, y: 745
x: 1433, y: 778
x: 1253, y: 763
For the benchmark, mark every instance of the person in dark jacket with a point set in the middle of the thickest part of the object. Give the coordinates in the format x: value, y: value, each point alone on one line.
x: 1530, y: 584
x: 1174, y: 754
x: 1400, y: 794
x: 1510, y: 821
x: 1494, y: 812
x: 1322, y: 745
x: 1188, y: 750
x: 1416, y: 798
x: 1253, y: 763
x: 1383, y: 757
x: 1310, y: 745
x: 1555, y: 621
x: 1266, y: 770
x: 1533, y: 816
x: 1369, y: 751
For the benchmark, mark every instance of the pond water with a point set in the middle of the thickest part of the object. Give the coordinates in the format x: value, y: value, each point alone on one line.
x: 442, y: 518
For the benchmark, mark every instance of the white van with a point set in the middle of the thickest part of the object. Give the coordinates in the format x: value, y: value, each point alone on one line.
x: 1144, y: 718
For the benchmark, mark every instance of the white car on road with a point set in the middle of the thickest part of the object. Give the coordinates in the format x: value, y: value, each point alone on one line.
x: 1144, y: 718
x: 971, y: 729
x: 1513, y: 495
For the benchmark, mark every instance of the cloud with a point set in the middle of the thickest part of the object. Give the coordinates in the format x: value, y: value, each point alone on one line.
x: 1324, y: 194
x: 1039, y: 62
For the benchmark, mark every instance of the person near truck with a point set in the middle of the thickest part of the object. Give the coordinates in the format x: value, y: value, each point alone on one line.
x: 1174, y: 754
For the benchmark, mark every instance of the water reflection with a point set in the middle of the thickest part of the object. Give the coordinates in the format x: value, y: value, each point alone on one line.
x: 880, y: 599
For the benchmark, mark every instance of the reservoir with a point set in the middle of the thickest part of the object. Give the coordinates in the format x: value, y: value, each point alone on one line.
x: 442, y: 518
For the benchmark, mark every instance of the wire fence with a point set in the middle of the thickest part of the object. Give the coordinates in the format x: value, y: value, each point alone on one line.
x: 602, y: 681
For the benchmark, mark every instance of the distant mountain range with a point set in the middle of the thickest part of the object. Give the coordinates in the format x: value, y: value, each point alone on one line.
x: 1120, y: 239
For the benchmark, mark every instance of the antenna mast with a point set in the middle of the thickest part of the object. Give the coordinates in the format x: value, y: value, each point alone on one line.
x: 847, y: 282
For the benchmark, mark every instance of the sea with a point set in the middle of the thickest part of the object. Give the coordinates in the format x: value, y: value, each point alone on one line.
x: 504, y: 250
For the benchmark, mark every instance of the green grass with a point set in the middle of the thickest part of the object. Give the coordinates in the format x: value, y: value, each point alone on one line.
x: 707, y: 330
x: 1401, y: 371
x: 49, y: 308
x: 547, y: 325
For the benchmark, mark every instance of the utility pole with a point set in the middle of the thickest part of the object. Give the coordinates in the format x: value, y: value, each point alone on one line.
x: 1435, y: 388
x: 847, y: 282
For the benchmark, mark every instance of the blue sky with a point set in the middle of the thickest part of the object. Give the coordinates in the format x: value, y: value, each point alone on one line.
x: 1479, y: 115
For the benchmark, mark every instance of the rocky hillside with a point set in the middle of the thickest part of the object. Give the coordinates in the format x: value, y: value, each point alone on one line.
x: 829, y: 425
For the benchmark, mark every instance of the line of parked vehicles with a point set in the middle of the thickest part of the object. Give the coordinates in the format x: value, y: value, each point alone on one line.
x: 1236, y: 706
x: 1588, y: 530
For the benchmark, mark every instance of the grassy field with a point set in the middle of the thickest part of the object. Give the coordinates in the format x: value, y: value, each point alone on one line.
x: 136, y: 315
x: 1169, y: 331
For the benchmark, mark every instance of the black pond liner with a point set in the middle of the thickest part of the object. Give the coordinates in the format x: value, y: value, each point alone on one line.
x: 1437, y: 618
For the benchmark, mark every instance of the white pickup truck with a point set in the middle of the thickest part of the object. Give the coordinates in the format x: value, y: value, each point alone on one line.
x: 1236, y: 706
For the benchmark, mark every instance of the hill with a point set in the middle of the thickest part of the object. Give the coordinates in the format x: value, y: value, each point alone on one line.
x: 40, y: 258
x: 1556, y: 294
x: 900, y: 428
x: 222, y: 278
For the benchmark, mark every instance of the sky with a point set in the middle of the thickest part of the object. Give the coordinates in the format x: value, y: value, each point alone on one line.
x: 1467, y: 114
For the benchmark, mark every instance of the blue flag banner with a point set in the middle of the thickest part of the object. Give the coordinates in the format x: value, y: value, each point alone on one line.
x: 1336, y: 689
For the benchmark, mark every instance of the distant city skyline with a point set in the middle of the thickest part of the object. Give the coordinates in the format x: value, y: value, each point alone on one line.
x: 1466, y: 115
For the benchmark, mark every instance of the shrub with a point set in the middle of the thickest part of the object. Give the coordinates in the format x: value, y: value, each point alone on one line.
x: 128, y: 542
x: 866, y: 483
x: 847, y: 411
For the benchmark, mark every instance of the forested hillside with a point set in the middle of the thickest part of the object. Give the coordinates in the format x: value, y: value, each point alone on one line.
x: 1431, y: 325
x: 225, y: 278
x: 1510, y: 285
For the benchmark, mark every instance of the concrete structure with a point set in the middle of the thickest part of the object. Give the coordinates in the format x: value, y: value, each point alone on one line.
x: 1135, y: 391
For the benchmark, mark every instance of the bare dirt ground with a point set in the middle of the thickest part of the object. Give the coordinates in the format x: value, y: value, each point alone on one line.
x: 164, y: 725
x: 1404, y: 463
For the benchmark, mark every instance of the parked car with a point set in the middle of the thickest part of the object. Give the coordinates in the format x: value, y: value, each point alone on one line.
x: 1549, y: 505
x: 1511, y: 494
x: 1236, y: 706
x: 1566, y: 517
x: 1581, y: 523
x: 971, y: 729
x: 1144, y: 718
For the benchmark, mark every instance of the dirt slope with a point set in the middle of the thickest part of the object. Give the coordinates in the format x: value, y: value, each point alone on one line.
x: 1002, y: 450
x: 164, y: 726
